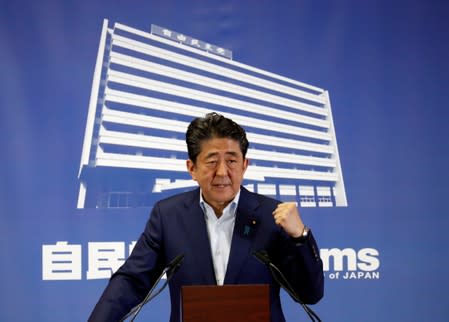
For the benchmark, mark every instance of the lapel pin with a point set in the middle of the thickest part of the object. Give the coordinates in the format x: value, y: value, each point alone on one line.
x: 247, y: 228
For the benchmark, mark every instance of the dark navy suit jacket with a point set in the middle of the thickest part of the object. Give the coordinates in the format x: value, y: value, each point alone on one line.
x: 177, y: 226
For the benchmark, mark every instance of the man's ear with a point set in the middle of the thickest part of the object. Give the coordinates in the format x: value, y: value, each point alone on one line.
x: 191, y: 168
x: 245, y: 164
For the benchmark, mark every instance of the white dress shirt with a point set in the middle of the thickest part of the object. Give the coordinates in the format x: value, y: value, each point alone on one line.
x: 220, y: 234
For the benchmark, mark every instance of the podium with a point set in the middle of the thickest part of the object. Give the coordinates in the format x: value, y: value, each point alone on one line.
x: 236, y: 303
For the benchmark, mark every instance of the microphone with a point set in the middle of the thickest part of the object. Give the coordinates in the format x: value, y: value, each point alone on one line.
x: 169, y: 271
x: 174, y: 265
x: 280, y: 278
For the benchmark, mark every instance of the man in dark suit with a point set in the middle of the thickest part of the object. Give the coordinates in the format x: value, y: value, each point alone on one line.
x: 217, y: 227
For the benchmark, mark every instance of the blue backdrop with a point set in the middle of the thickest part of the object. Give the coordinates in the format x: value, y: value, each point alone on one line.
x: 385, y: 64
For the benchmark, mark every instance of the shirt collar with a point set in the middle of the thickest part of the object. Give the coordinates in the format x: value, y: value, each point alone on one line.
x: 229, y: 210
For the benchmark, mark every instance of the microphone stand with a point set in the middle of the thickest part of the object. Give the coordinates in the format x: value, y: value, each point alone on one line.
x: 283, y: 282
x: 169, y: 270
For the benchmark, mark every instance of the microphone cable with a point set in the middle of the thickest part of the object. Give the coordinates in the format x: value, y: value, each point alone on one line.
x: 169, y: 271
x: 284, y: 283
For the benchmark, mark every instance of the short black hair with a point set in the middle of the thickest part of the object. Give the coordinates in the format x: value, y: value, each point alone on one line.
x: 213, y: 125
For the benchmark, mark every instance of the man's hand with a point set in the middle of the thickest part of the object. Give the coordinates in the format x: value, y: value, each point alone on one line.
x: 287, y: 216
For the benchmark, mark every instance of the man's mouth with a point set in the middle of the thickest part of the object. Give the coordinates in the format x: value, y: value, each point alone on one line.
x: 221, y: 185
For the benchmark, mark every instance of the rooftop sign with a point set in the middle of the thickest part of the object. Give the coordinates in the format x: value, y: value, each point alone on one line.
x: 190, y: 41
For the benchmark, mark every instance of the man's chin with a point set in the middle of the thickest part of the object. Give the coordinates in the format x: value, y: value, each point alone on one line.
x: 223, y: 194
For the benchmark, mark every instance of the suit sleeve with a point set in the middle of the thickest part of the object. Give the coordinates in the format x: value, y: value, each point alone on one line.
x: 301, y: 264
x: 129, y: 285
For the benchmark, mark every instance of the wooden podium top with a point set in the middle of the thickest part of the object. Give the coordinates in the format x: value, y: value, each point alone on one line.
x: 230, y: 303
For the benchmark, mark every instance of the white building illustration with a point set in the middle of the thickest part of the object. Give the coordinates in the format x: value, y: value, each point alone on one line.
x: 148, y: 86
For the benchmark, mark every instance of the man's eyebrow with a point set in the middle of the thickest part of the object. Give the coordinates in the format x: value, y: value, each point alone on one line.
x: 212, y: 154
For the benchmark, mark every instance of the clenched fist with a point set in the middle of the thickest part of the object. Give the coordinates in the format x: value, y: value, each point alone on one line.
x: 287, y: 216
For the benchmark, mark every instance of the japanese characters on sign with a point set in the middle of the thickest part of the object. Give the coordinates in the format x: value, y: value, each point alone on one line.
x: 63, y: 261
x: 190, y: 41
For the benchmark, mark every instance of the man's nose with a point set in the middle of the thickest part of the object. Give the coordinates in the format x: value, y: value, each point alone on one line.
x: 222, y: 169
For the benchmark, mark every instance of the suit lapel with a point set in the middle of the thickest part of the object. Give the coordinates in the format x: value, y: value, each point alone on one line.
x: 195, y: 227
x: 243, y: 235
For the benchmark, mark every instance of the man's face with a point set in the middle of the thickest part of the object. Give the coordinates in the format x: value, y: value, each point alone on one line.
x: 219, y: 170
